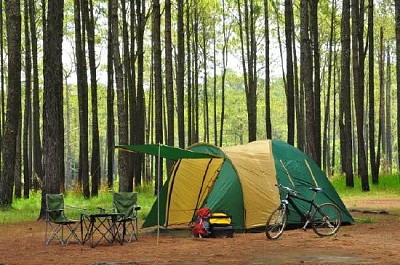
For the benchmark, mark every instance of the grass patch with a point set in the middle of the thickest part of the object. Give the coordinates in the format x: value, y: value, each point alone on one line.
x: 366, y: 220
x: 388, y: 187
x: 29, y: 209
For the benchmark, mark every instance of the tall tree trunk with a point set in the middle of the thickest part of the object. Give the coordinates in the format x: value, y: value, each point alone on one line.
x: 13, y: 22
x: 381, y: 114
x: 129, y: 88
x: 37, y: 173
x: 180, y: 74
x: 268, y: 123
x: 371, y: 92
x: 289, y: 71
x: 397, y: 19
x: 169, y: 84
x: 317, y: 80
x: 123, y: 158
x: 307, y: 77
x: 140, y: 98
x: 346, y: 149
x: 95, y: 168
x: 224, y: 65
x: 110, y: 102
x: 214, y: 59
x: 53, y: 122
x: 189, y: 74
x: 357, y: 8
x: 80, y: 42
x: 326, y: 150
x: 68, y: 162
x: 299, y: 95
x: 158, y: 87
x: 388, y: 85
x: 248, y: 47
x: 2, y: 100
x: 27, y: 127
x: 251, y: 98
x: 195, y: 57
x: 206, y: 125
x: 18, y: 162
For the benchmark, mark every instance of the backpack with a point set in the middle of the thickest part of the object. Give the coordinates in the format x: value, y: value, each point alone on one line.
x: 202, y: 226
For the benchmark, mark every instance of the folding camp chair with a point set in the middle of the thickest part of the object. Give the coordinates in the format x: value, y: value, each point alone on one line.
x: 62, y: 228
x: 126, y: 203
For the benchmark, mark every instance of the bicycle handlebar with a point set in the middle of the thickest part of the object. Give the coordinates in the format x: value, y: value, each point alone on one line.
x: 291, y: 191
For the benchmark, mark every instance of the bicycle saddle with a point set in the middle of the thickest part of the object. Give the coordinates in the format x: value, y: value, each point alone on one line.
x: 316, y: 189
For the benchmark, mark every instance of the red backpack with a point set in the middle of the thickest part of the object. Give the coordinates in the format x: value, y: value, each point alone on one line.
x: 202, y: 225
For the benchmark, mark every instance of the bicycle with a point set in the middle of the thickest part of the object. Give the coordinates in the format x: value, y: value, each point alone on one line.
x: 325, y: 219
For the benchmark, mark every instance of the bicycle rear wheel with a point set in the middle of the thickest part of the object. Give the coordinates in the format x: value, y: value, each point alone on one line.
x: 276, y: 223
x: 327, y: 219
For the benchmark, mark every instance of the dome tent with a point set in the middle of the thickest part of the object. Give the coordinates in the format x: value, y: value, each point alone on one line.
x: 238, y: 180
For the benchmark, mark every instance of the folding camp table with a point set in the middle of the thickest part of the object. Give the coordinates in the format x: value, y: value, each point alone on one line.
x: 96, y: 227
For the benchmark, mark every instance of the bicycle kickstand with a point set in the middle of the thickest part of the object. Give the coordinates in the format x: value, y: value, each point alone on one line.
x: 305, y: 225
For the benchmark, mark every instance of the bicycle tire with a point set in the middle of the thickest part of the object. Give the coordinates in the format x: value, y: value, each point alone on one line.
x: 326, y: 219
x: 276, y: 222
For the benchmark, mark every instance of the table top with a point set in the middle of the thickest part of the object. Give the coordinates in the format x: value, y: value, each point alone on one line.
x: 106, y: 214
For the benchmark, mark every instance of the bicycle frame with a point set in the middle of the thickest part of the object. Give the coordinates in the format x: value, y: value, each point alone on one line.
x: 325, y: 218
x: 304, y: 215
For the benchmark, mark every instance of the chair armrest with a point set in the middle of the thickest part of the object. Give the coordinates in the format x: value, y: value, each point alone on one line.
x: 103, y: 210
x: 74, y: 208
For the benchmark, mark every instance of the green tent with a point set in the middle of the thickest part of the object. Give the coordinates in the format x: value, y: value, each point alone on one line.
x: 238, y: 180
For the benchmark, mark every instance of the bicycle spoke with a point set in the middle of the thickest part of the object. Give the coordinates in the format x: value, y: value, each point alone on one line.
x: 327, y: 219
x: 276, y: 223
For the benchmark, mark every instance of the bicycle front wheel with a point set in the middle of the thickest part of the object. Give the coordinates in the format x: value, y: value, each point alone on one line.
x: 327, y: 219
x: 276, y: 223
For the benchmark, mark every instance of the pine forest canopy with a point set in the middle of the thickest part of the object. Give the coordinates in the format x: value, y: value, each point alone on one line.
x: 79, y: 77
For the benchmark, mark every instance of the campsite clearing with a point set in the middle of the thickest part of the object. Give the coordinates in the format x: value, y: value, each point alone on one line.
x: 373, y: 239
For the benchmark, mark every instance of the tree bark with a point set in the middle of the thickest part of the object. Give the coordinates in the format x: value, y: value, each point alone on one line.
x: 158, y: 86
x: 95, y: 168
x: 27, y: 125
x: 357, y: 8
x: 307, y: 77
x: 37, y: 173
x: 371, y: 92
x: 289, y: 72
x: 110, y: 102
x: 346, y: 149
x: 169, y: 84
x: 180, y: 74
x: 80, y: 42
x: 317, y: 79
x: 140, y: 97
x: 268, y: 123
x: 13, y: 23
x: 123, y: 158
x: 397, y: 19
x: 53, y: 123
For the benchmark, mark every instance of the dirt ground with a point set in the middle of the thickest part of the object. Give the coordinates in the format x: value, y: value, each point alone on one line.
x: 373, y: 239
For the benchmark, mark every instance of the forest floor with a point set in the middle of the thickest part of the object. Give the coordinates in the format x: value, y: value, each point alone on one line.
x: 373, y: 239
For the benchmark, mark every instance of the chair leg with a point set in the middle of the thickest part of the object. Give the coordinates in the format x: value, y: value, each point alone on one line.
x: 72, y: 234
x: 58, y: 233
x: 55, y: 233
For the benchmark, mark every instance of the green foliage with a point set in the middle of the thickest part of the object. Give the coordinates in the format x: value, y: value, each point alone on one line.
x: 28, y: 209
x: 389, y: 186
x: 366, y: 220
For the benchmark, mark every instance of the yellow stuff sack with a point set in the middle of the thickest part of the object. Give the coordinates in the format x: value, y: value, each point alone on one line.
x: 220, y: 219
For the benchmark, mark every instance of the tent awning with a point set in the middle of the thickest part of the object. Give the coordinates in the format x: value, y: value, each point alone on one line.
x: 165, y: 151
